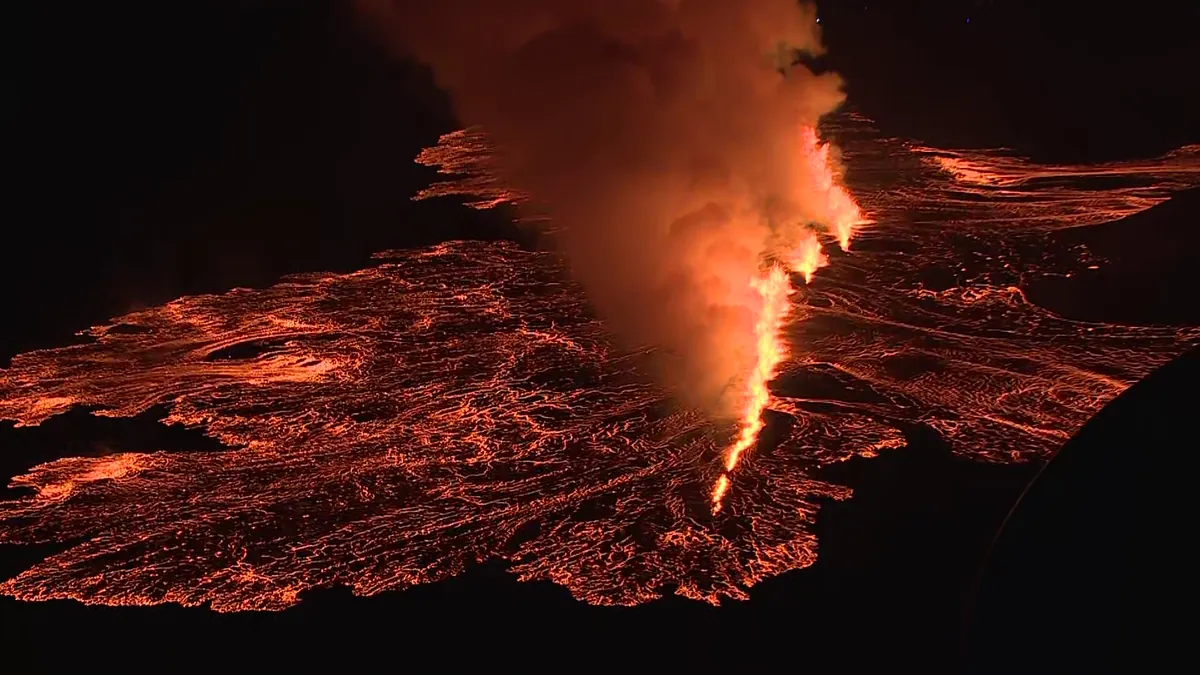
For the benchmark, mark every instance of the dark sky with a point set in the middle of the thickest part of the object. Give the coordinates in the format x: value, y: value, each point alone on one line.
x: 1069, y: 79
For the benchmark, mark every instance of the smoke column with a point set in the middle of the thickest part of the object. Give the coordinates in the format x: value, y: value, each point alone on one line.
x: 672, y: 143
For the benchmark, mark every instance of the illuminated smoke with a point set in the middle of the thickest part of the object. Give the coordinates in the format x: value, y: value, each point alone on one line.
x: 834, y: 205
x: 469, y: 158
x: 774, y: 289
x: 673, y: 145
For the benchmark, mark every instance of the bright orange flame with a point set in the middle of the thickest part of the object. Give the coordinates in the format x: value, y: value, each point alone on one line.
x: 840, y: 210
x: 842, y: 215
x: 773, y: 287
x: 719, y: 491
x: 807, y: 257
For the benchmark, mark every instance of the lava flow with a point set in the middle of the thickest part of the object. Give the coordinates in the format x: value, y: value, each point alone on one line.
x: 467, y: 156
x: 393, y: 426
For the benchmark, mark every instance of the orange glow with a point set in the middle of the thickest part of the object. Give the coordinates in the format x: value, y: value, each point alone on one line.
x: 718, y: 493
x: 807, y: 257
x: 389, y: 427
x: 774, y: 289
x: 839, y: 210
x: 467, y: 156
x: 841, y: 214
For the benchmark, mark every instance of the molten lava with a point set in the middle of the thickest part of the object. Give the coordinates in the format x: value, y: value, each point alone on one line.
x: 807, y: 257
x: 839, y: 208
x: 842, y: 215
x: 392, y: 426
x: 774, y: 288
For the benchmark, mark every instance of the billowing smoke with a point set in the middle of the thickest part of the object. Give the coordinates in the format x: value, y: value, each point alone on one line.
x: 670, y: 140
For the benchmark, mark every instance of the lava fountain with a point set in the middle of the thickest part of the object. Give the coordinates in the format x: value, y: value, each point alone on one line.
x: 774, y: 289
x: 842, y: 212
x: 842, y: 216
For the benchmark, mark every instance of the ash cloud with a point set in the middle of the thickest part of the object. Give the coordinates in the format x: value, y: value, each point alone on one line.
x: 664, y: 137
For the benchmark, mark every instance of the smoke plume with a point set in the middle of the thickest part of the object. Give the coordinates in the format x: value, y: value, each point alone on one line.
x: 671, y: 142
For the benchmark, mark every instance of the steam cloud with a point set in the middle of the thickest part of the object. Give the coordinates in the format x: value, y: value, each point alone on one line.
x: 666, y: 138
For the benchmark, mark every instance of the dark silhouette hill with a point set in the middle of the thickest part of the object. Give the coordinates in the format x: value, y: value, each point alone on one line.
x: 1088, y: 573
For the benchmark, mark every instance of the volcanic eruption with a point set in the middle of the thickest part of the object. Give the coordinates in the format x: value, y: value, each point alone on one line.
x: 673, y: 144
x: 579, y: 413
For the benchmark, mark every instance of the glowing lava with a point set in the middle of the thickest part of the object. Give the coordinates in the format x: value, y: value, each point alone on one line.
x: 807, y: 257
x: 841, y: 214
x: 773, y: 287
x: 840, y: 211
x: 392, y: 426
